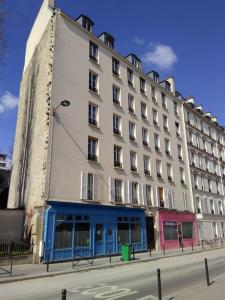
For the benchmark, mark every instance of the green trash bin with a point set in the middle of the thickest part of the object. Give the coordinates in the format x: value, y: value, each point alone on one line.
x: 126, y: 252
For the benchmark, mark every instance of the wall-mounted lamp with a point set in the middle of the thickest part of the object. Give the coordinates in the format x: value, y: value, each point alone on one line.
x: 64, y: 103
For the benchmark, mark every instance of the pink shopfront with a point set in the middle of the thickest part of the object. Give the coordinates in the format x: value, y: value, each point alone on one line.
x: 177, y: 228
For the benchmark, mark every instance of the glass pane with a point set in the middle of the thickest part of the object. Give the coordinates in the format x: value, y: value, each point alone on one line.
x: 82, y: 234
x: 123, y: 233
x: 135, y: 233
x: 170, y: 231
x: 187, y: 228
x: 98, y: 232
x: 63, y: 235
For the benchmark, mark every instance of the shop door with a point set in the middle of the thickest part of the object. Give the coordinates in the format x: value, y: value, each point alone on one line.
x: 150, y: 232
x: 99, y: 239
x: 180, y: 235
x: 109, y: 239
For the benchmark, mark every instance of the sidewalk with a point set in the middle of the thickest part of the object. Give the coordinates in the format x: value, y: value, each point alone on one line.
x: 31, y: 271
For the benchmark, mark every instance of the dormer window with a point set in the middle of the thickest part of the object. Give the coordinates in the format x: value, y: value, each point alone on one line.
x: 154, y: 75
x: 85, y: 22
x: 108, y: 39
x: 167, y: 86
x: 136, y: 62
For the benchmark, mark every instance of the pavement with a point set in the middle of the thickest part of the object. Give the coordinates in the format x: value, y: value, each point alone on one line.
x: 182, y: 278
x: 33, y: 271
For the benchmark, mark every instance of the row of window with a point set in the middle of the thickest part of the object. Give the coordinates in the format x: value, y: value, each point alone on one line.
x: 208, y: 206
x: 118, y: 160
x: 200, y: 182
x: 199, y: 124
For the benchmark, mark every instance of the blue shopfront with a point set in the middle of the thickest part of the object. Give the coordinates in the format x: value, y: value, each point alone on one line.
x: 88, y: 228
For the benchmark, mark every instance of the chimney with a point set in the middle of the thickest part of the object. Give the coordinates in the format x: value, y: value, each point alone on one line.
x: 208, y: 115
x: 191, y: 100
x: 199, y: 108
x: 214, y: 119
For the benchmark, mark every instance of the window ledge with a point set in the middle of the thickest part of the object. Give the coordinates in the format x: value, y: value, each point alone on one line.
x: 94, y: 126
x: 118, y: 168
x: 134, y: 172
x: 94, y: 93
x: 93, y: 162
x: 117, y: 77
x: 91, y: 201
x: 96, y: 63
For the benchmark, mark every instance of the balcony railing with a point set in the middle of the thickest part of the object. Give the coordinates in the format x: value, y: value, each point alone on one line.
x: 117, y: 164
x: 131, y: 109
x: 133, y: 168
x: 94, y: 58
x: 93, y: 89
x: 147, y: 172
x: 132, y: 138
x: 116, y: 131
x: 145, y: 143
x: 92, y: 122
x: 116, y: 101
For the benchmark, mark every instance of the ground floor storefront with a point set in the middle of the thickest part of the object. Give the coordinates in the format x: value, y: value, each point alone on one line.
x: 210, y: 226
x: 176, y: 229
x: 85, y: 229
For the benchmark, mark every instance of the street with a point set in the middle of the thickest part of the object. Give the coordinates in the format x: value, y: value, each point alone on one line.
x: 180, y: 275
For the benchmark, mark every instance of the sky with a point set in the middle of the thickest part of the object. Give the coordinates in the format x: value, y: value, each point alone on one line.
x: 184, y: 39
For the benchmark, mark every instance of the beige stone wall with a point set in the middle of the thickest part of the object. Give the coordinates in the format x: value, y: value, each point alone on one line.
x: 28, y: 180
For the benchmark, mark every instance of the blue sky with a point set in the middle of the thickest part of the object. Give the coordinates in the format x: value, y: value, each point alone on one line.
x: 180, y: 38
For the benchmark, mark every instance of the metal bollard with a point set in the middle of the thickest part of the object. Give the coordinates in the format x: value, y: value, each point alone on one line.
x: 202, y: 245
x: 164, y: 250
x: 64, y: 292
x: 150, y: 252
x: 110, y: 256
x: 133, y: 254
x: 11, y: 266
x: 207, y: 272
x: 182, y: 247
x: 159, y: 284
x: 192, y: 246
x: 47, y: 265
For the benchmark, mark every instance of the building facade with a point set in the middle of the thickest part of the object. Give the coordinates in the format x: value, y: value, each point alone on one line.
x: 205, y: 142
x: 102, y: 153
x: 5, y: 173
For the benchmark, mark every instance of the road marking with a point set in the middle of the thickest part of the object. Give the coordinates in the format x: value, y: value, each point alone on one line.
x: 150, y: 297
x: 115, y: 294
x: 94, y: 291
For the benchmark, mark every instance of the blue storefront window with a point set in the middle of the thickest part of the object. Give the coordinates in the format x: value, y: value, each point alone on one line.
x: 81, y: 229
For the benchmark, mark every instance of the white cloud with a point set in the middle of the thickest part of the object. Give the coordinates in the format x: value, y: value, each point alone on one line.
x: 7, y: 102
x: 139, y: 41
x: 162, y: 56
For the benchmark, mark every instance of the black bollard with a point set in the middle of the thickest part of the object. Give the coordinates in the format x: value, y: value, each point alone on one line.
x: 150, y: 252
x: 110, y: 256
x: 192, y: 246
x: 207, y: 272
x: 202, y: 245
x: 64, y: 292
x: 47, y: 265
x: 159, y: 284
x: 182, y: 247
x: 164, y: 250
x: 133, y: 254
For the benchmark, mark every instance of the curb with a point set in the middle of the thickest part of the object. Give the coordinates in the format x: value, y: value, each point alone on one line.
x: 108, y: 266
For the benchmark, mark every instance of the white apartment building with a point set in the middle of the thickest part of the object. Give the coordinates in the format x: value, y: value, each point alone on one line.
x: 206, y: 144
x: 100, y: 154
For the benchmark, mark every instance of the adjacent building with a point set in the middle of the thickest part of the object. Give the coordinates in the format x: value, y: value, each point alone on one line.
x: 5, y: 173
x: 102, y: 149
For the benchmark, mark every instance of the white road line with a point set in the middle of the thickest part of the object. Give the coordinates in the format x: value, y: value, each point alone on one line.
x: 150, y: 297
x: 115, y: 294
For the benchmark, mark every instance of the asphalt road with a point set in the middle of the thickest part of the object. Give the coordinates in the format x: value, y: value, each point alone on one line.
x: 134, y: 282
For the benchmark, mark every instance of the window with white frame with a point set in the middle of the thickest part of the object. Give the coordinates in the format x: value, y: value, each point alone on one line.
x: 143, y: 110
x: 179, y: 151
x: 130, y: 77
x: 93, y: 114
x: 164, y: 102
x: 116, y: 94
x: 175, y: 107
x: 177, y: 126
x: 159, y: 168
x: 132, y: 131
x: 115, y: 67
x: 198, y: 205
x: 90, y: 186
x: 145, y: 136
x: 133, y: 161
x: 148, y: 191
x: 131, y: 103
x: 134, y: 193
x: 146, y: 160
x: 182, y: 178
x: 153, y: 93
x: 92, y: 149
x: 93, y: 82
x: 155, y: 116
x: 167, y: 147
x: 93, y: 51
x: 212, y: 207
x: 157, y: 142
x: 220, y: 206
x: 165, y: 123
x: 169, y: 172
x: 142, y: 85
x: 117, y: 156
x: 118, y: 190
x: 116, y: 124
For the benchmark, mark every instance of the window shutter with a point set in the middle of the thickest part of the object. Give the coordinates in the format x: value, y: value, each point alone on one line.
x: 172, y: 198
x: 167, y: 198
x: 144, y: 202
x: 140, y: 196
x: 126, y: 191
x: 156, y: 197
x: 95, y: 187
x: 84, y: 177
x: 111, y: 189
